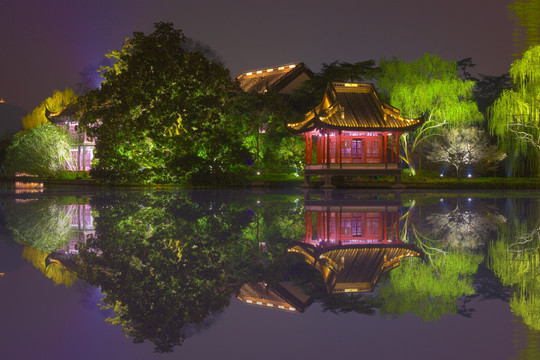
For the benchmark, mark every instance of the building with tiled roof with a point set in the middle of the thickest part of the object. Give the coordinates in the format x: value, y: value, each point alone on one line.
x: 356, y: 134
x: 352, y: 238
x: 82, y: 151
x: 282, y: 79
x: 354, y: 268
x: 354, y: 107
x: 282, y: 296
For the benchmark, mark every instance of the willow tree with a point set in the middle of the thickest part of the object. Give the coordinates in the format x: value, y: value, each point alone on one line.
x: 43, y: 151
x: 57, y: 102
x: 40, y: 224
x: 515, y: 115
x: 527, y: 32
x: 515, y: 260
x: 430, y: 289
x: 428, y: 87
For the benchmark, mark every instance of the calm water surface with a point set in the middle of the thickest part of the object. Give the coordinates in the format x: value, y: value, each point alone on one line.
x: 290, y: 274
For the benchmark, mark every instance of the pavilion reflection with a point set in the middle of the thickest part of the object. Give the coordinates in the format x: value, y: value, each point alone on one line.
x: 281, y: 295
x: 81, y: 228
x: 351, y: 238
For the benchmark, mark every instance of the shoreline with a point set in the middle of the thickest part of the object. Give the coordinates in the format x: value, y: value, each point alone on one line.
x: 477, y: 183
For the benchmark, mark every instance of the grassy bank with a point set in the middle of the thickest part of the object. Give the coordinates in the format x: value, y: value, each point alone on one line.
x: 292, y: 180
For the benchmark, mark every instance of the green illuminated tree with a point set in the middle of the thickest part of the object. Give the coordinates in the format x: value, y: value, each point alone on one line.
x: 462, y: 148
x: 165, y: 261
x: 271, y: 146
x: 162, y: 114
x: 430, y: 289
x: 515, y: 258
x: 42, y: 224
x: 428, y: 87
x: 527, y: 32
x: 515, y: 116
x: 42, y: 151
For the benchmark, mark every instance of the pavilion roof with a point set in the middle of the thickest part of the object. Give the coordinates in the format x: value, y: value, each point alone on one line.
x: 354, y: 268
x: 281, y: 295
x: 66, y: 114
x: 355, y: 107
x: 280, y: 79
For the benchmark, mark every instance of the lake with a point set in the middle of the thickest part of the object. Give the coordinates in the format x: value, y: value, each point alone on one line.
x: 266, y: 274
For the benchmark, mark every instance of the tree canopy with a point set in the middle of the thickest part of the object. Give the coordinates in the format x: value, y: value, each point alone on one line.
x: 43, y: 151
x: 515, y: 116
x: 515, y: 260
x: 429, y: 87
x: 527, y: 31
x: 162, y: 114
x: 311, y: 92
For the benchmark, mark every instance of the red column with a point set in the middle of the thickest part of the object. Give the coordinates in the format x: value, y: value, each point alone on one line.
x: 391, y: 148
x: 310, y: 225
x: 381, y: 156
x: 318, y: 225
x: 322, y: 149
x: 385, y: 219
x: 328, y: 147
x: 318, y: 149
x: 340, y: 155
x: 397, y: 148
x: 310, y: 154
x: 340, y: 231
x: 307, y: 148
x: 336, y: 148
x: 385, y: 149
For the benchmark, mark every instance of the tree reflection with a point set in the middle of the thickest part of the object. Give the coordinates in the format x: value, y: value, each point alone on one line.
x: 431, y: 288
x: 58, y: 273
x: 167, y: 263
x: 515, y: 259
x: 460, y: 224
x: 43, y: 225
x: 163, y: 262
x: 40, y: 223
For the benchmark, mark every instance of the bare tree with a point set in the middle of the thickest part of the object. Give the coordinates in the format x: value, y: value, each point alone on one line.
x: 463, y: 147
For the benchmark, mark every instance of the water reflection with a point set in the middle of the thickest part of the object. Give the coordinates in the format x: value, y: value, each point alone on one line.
x: 168, y: 263
x: 352, y: 240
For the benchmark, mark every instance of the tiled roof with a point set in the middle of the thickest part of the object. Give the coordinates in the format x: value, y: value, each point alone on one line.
x: 282, y: 295
x: 273, y: 78
x: 66, y: 114
x: 356, y: 107
x: 354, y: 268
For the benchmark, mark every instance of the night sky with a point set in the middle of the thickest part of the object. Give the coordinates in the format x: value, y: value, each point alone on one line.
x: 45, y: 44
